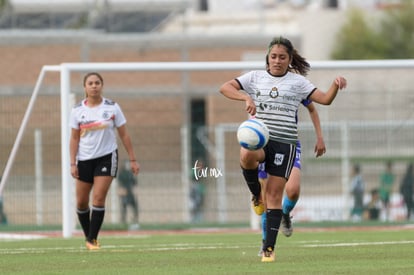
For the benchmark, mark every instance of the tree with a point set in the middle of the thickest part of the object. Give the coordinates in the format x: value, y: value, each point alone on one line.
x: 398, y: 30
x: 392, y: 39
x: 357, y: 40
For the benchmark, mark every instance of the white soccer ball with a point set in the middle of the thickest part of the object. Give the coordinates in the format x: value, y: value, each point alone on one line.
x: 253, y: 134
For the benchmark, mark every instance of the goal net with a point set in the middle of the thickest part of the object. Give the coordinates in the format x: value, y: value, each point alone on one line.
x: 178, y: 120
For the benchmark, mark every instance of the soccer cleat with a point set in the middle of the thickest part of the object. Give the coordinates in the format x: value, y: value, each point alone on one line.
x: 286, y: 225
x: 268, y: 255
x: 93, y: 245
x: 257, y: 205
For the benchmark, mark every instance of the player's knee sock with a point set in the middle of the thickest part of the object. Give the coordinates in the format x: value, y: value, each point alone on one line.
x: 274, y: 216
x: 287, y: 205
x: 264, y: 226
x: 97, y: 217
x: 84, y: 220
x: 252, y: 179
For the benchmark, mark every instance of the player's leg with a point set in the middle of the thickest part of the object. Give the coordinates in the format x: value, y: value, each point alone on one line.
x: 100, y: 190
x: 387, y: 207
x: 83, y: 189
x: 274, y: 193
x: 292, y: 191
x: 279, y: 163
x: 124, y: 206
x: 105, y: 171
x: 249, y: 162
x: 263, y: 183
x: 134, y: 204
x: 82, y: 205
x: 264, y: 226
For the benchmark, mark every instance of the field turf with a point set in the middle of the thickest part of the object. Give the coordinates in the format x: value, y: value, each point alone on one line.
x: 350, y: 250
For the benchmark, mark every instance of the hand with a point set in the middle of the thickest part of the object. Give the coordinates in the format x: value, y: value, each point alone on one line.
x: 320, y: 148
x: 250, y: 106
x: 135, y: 167
x: 74, y: 171
x: 340, y: 82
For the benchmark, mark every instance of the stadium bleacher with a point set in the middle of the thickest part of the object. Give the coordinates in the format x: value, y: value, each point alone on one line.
x: 106, y: 15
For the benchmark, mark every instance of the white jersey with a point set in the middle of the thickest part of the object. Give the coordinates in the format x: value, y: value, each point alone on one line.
x: 277, y: 101
x: 97, y: 128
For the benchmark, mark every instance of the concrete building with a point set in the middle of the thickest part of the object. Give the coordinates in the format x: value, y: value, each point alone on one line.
x: 158, y: 104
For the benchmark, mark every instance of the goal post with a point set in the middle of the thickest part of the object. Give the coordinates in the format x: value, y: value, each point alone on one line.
x: 23, y: 124
x: 65, y: 72
x: 66, y: 69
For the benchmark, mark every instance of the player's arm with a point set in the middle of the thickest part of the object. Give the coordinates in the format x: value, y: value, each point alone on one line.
x: 320, y: 148
x: 73, y: 150
x: 232, y: 90
x: 74, y: 144
x: 126, y: 141
x: 327, y: 98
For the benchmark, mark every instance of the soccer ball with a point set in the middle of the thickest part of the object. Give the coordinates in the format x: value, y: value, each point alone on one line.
x: 253, y: 134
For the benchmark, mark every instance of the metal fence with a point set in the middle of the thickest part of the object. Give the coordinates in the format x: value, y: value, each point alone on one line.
x: 173, y: 125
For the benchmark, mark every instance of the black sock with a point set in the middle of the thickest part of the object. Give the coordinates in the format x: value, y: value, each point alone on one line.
x: 97, y: 217
x: 251, y: 177
x: 84, y: 220
x: 273, y: 219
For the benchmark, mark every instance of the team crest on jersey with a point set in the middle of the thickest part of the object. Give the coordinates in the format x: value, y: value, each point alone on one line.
x: 279, y: 159
x: 106, y: 115
x: 274, y: 92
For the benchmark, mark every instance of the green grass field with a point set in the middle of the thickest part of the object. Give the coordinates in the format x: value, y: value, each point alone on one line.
x: 364, y: 250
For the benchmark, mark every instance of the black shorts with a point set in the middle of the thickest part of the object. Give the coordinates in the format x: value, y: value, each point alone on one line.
x: 280, y: 158
x: 103, y: 166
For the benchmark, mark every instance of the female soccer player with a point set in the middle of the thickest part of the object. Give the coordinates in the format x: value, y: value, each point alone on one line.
x: 94, y: 154
x: 292, y: 188
x: 274, y: 95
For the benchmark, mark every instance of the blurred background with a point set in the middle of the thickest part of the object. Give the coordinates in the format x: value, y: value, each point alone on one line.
x: 178, y: 121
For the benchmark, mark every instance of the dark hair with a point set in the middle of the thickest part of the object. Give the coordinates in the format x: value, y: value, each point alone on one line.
x: 92, y: 73
x: 298, y: 64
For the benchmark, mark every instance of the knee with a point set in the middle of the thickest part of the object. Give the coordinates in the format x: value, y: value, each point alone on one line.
x: 244, y: 157
x: 99, y: 201
x: 99, y: 198
x: 293, y: 193
x: 274, y: 195
x: 82, y: 205
x: 248, y: 159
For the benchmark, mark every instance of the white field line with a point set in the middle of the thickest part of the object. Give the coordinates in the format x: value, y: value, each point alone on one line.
x: 357, y: 244
x: 124, y: 248
x: 173, y: 247
x: 13, y: 237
